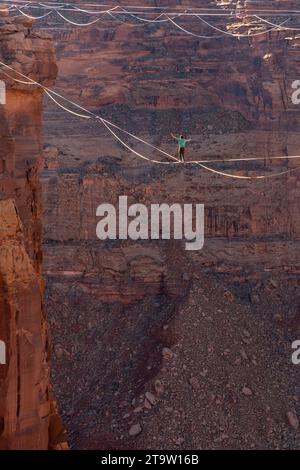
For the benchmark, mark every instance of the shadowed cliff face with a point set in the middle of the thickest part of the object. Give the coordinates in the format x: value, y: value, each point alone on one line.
x: 27, y: 411
x: 233, y: 98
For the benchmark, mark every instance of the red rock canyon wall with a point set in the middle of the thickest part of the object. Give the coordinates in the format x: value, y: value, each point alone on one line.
x: 28, y: 418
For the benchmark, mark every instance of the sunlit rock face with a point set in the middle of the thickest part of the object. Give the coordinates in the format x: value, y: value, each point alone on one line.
x: 27, y: 411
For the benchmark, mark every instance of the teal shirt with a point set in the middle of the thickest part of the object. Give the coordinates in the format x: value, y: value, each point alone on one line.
x: 181, y: 143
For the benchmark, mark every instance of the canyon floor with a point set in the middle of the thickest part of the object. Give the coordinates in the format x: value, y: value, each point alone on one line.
x: 206, y: 371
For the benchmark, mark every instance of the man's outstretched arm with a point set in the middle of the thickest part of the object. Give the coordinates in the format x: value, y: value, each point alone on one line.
x: 174, y: 137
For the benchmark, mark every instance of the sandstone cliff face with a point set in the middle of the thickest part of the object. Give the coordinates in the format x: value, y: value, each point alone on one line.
x: 27, y: 412
x: 25, y: 404
x: 233, y: 97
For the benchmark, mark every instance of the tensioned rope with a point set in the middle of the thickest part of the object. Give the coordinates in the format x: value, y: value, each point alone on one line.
x: 145, y: 20
x: 89, y: 114
x: 145, y: 9
x: 109, y: 12
x: 274, y: 24
x: 157, y: 20
x: 57, y: 11
x: 237, y: 35
x: 82, y: 24
x: 226, y: 11
x: 120, y: 10
x: 34, y: 17
x: 125, y: 10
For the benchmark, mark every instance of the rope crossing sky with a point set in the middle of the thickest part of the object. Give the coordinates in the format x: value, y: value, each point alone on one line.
x: 112, y: 128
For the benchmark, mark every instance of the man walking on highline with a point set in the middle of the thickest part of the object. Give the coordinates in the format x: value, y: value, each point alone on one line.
x: 181, y: 145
